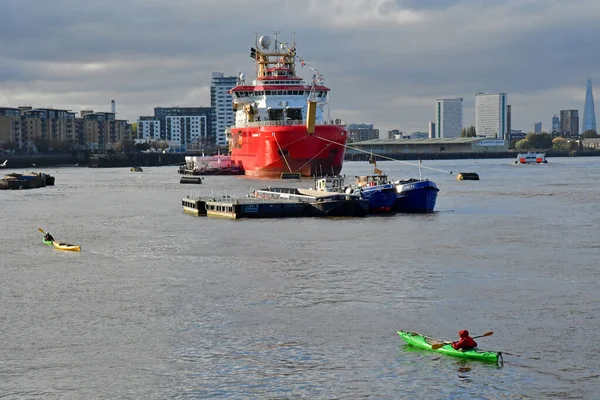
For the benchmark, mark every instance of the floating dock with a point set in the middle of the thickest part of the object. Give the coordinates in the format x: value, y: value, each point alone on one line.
x: 323, y: 204
x: 194, y: 205
x: 257, y: 208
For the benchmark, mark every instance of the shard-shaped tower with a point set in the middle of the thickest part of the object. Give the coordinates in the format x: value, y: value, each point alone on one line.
x: 589, y: 115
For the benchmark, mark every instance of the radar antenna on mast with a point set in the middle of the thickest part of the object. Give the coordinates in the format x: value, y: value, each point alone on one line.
x: 276, y: 42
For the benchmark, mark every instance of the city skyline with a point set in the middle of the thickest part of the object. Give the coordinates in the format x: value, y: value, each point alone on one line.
x: 76, y: 56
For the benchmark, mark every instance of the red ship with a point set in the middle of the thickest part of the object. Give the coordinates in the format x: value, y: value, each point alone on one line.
x: 280, y: 126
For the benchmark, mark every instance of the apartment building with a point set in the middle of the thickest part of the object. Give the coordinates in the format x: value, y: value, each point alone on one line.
x: 221, y: 104
x: 10, y: 126
x: 102, y: 131
x: 491, y: 115
x: 47, y: 128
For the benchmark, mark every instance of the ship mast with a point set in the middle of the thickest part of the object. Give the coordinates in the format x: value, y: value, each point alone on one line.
x: 267, y: 56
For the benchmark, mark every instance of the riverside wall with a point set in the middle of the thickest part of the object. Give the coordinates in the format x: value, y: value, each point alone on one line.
x: 87, y: 159
x: 465, y: 155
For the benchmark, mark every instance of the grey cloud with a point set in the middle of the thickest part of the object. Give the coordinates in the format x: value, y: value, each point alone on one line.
x: 154, y: 52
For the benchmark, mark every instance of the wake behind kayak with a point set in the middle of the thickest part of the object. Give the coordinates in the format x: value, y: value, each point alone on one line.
x: 426, y: 342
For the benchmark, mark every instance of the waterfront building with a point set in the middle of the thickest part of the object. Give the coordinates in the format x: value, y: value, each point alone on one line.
x: 555, y: 124
x: 148, y: 128
x: 569, y: 123
x: 10, y: 126
x: 187, y: 132
x: 416, y: 147
x: 537, y: 127
x: 394, y: 133
x: 47, y: 128
x: 184, y: 127
x: 517, y: 134
x: 419, y: 135
x: 491, y: 115
x: 431, y: 131
x: 360, y: 132
x: 589, y: 114
x: 591, y: 143
x: 449, y: 117
x: 102, y: 131
x: 221, y: 104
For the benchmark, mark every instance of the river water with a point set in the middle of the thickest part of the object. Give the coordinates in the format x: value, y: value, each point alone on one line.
x: 163, y: 305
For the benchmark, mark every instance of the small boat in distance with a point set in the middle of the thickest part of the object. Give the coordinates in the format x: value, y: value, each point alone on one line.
x: 209, y: 165
x: 531, y: 158
x: 62, y: 246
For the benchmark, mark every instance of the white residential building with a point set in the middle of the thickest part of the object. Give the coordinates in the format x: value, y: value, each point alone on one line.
x: 221, y: 103
x: 491, y: 119
x: 448, y: 117
x: 186, y: 132
x: 148, y: 129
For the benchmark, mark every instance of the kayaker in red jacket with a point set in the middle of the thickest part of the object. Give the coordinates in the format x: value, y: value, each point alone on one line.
x: 465, y: 342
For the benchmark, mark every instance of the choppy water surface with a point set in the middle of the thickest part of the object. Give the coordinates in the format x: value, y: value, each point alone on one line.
x: 163, y: 305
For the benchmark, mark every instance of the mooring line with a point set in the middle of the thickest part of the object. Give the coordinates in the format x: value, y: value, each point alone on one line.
x: 389, y: 158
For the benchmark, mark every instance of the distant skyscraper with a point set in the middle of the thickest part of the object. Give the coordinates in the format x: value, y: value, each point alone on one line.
x: 221, y: 103
x: 569, y: 122
x: 589, y: 115
x: 555, y: 124
x: 449, y: 117
x: 431, y: 130
x: 537, y: 127
x: 491, y: 115
x: 509, y: 121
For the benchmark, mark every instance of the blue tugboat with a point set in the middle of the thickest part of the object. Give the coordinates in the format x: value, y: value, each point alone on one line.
x: 380, y: 192
x: 415, y: 196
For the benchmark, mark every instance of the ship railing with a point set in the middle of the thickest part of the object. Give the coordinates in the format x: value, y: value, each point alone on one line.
x: 280, y: 123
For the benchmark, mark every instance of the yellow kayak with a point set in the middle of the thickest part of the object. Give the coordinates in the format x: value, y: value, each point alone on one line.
x: 66, y: 246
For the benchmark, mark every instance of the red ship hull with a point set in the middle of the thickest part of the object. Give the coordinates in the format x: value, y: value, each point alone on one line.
x: 268, y: 151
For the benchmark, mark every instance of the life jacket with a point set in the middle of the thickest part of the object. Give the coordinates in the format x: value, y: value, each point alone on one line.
x: 465, y: 343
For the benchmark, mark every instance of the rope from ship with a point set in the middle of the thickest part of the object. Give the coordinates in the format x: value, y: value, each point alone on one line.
x: 295, y: 141
x: 388, y: 158
x: 282, y: 155
x: 325, y: 148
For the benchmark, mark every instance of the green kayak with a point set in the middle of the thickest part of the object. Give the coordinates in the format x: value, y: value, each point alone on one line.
x: 425, y: 342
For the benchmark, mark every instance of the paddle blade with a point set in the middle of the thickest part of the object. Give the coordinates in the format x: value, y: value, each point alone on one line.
x: 41, y: 230
x: 438, y: 346
x: 486, y: 334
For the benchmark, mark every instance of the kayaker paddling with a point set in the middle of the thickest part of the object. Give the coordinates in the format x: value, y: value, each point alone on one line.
x: 465, y: 343
x: 48, y: 237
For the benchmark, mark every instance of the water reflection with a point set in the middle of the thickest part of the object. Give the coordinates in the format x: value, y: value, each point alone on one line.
x: 464, y: 369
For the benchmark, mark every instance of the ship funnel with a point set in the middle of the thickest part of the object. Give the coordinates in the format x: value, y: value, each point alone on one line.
x: 113, y: 108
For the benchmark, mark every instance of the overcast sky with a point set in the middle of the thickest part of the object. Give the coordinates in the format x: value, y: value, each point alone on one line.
x: 386, y: 61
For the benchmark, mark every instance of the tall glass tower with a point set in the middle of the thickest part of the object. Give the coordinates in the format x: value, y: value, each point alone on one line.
x: 589, y: 115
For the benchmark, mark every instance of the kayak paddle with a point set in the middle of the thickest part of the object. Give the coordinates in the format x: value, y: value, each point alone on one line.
x: 41, y: 230
x: 440, y: 345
